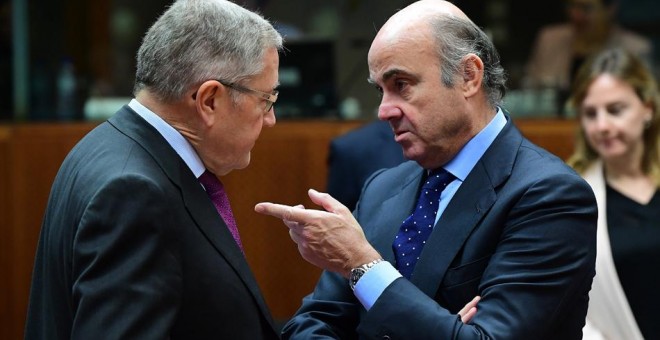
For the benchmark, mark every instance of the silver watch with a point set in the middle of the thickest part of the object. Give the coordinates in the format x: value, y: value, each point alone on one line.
x: 356, y: 273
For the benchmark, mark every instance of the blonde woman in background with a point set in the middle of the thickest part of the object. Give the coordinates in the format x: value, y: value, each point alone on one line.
x: 617, y: 152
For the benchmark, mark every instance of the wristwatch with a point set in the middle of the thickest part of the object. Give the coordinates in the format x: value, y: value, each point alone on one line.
x: 356, y: 273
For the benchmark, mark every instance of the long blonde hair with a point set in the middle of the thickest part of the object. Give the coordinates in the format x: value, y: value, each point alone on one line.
x: 630, y: 69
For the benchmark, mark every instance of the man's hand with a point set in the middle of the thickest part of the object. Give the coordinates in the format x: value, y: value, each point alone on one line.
x: 331, y: 239
x: 469, y: 310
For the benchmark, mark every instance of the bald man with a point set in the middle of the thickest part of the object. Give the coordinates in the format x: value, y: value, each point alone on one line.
x: 512, y: 225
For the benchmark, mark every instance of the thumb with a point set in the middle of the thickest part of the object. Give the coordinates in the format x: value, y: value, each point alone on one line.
x: 326, y: 201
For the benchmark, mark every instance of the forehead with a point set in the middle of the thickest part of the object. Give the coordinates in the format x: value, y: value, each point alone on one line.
x: 607, y: 87
x: 412, y: 54
x: 269, y: 74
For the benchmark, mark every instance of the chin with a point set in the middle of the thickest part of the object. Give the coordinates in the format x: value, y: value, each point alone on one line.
x: 417, y: 153
x: 244, y: 162
x: 420, y: 159
x: 611, y: 154
x: 410, y: 155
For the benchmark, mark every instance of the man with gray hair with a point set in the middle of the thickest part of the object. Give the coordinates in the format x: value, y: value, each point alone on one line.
x: 479, y: 211
x: 138, y: 240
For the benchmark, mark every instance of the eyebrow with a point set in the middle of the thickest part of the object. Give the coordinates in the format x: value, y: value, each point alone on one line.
x: 276, y: 86
x: 389, y: 74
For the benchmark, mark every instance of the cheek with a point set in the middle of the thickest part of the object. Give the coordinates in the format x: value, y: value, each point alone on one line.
x: 426, y: 116
x: 631, y: 128
x: 634, y: 135
x: 589, y: 128
x: 251, y: 129
x: 249, y: 118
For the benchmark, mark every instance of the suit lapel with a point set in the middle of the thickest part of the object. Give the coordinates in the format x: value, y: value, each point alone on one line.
x: 469, y: 205
x: 197, y: 203
x: 208, y: 221
x: 392, y: 213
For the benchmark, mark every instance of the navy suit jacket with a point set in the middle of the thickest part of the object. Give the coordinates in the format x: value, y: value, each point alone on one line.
x: 131, y: 247
x: 356, y: 155
x: 520, y: 232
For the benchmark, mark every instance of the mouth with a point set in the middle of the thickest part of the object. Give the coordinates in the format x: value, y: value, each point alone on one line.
x: 399, y: 136
x: 400, y: 131
x: 606, y: 141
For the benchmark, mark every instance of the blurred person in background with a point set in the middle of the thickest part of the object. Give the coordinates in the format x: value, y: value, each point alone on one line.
x: 560, y: 49
x: 617, y: 102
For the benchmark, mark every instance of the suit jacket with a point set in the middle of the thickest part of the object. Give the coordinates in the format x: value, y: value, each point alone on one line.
x: 520, y: 232
x: 356, y: 155
x: 131, y: 247
x: 609, y: 315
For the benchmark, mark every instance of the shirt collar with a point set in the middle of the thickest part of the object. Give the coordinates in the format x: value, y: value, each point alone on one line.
x: 461, y: 165
x: 179, y: 143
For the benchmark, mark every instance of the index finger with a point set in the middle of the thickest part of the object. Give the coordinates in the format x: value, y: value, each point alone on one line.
x: 281, y: 211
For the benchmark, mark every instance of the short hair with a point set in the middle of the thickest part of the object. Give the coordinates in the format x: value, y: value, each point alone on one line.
x: 198, y: 40
x: 455, y: 38
x: 633, y: 71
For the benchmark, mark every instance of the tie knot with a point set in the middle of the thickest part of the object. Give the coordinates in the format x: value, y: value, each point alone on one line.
x: 210, y: 182
x: 438, y: 178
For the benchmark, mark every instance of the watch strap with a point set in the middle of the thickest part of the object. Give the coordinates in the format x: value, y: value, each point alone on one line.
x: 356, y: 273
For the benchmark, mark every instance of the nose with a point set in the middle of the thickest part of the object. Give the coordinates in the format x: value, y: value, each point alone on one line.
x: 269, y: 118
x: 388, y: 110
x: 603, y: 122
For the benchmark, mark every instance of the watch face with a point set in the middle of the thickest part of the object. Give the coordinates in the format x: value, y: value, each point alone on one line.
x: 356, y: 274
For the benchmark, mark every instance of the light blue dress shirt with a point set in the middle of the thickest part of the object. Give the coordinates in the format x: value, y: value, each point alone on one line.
x: 372, y: 284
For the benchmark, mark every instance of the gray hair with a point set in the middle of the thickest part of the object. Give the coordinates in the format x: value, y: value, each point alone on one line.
x: 456, y: 38
x: 199, y: 40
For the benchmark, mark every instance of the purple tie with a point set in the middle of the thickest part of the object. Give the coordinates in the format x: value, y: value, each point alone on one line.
x: 216, y: 192
x: 416, y: 229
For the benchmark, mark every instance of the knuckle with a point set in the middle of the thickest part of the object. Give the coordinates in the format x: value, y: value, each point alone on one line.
x: 288, y: 214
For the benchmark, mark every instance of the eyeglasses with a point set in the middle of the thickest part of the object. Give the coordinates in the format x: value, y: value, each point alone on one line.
x: 270, y: 98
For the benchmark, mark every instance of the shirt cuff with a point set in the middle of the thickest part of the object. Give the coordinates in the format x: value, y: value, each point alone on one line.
x: 372, y: 284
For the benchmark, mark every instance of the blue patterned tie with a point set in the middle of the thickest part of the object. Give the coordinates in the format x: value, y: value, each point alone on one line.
x: 416, y: 229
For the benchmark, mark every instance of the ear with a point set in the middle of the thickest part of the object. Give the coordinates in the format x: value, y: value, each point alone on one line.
x: 208, y: 97
x: 473, y: 74
x: 649, y: 111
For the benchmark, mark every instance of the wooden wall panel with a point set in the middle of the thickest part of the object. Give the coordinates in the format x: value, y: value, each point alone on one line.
x: 555, y: 135
x: 35, y: 153
x: 6, y: 307
x: 287, y: 160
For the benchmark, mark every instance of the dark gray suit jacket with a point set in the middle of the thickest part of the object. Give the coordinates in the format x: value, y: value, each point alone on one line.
x: 131, y: 247
x: 520, y: 232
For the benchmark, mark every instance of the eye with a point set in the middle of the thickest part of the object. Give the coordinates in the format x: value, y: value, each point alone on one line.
x: 379, y: 89
x: 588, y: 113
x: 616, y: 109
x: 400, y: 85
